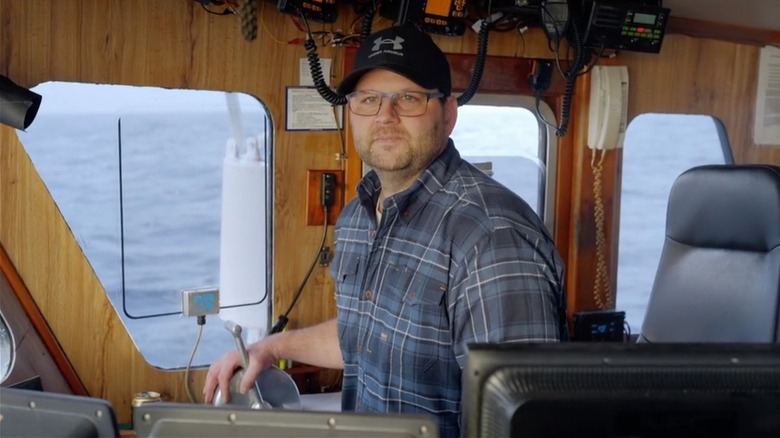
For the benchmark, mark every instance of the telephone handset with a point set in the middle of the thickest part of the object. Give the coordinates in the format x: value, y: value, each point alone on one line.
x: 606, y: 130
x: 608, y: 105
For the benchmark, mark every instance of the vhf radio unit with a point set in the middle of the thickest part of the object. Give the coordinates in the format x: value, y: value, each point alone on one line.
x: 444, y: 17
x: 323, y: 11
x: 621, y: 25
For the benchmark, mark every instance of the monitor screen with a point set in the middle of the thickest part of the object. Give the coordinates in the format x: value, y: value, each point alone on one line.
x: 622, y: 390
x: 31, y: 413
x: 193, y: 420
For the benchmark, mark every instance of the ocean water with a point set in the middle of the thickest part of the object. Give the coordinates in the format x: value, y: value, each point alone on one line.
x: 171, y: 188
x: 171, y: 163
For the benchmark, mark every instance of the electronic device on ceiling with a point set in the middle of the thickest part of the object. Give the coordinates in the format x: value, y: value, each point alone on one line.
x: 624, y: 25
x: 513, y: 6
x: 444, y: 17
x: 555, y: 18
x: 323, y: 11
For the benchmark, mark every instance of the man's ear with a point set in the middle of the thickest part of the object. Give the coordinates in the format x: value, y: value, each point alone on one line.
x: 450, y: 114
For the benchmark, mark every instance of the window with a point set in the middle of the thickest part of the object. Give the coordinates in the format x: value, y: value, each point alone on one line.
x: 501, y: 135
x: 138, y: 175
x: 657, y: 148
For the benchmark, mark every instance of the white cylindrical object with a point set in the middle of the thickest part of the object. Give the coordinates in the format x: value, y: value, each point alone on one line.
x: 242, y: 242
x: 234, y: 112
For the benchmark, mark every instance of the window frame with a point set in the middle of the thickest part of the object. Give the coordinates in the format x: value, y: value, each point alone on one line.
x: 548, y: 151
x: 115, y: 288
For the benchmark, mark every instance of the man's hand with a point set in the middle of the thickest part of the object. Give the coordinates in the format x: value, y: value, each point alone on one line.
x: 220, y: 373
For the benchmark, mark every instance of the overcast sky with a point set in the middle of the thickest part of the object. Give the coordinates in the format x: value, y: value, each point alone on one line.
x: 77, y: 97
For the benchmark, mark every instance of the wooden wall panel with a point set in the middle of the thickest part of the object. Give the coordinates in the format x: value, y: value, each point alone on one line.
x: 710, y: 77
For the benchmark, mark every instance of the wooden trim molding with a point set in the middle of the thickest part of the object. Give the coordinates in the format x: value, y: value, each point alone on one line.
x: 39, y: 324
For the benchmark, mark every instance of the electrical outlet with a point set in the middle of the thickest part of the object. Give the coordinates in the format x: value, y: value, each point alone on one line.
x: 199, y: 302
x: 325, y: 256
x: 324, y: 186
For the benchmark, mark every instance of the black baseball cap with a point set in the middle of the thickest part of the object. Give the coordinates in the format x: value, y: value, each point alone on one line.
x: 405, y: 50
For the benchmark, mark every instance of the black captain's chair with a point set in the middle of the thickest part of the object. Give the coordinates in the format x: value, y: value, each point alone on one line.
x: 718, y: 278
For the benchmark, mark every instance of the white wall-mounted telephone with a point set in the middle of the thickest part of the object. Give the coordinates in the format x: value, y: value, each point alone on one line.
x: 608, y: 105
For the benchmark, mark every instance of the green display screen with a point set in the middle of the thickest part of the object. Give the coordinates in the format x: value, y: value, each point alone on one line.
x: 641, y: 18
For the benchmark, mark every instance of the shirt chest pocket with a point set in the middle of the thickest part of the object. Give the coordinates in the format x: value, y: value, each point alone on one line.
x: 421, y: 323
x: 348, y: 280
x: 421, y: 294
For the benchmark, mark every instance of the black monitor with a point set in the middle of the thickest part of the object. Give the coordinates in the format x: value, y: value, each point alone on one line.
x: 621, y: 390
x: 193, y: 420
x: 31, y: 413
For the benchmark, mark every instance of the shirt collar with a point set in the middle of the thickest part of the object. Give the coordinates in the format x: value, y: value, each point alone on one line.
x: 411, y: 200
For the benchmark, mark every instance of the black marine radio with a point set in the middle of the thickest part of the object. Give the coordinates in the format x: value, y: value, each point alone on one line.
x: 622, y: 25
x: 323, y: 11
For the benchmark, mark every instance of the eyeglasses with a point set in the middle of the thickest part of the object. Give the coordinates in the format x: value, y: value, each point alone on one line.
x: 405, y: 103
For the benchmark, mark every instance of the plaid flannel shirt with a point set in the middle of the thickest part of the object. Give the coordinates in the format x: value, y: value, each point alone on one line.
x: 457, y: 259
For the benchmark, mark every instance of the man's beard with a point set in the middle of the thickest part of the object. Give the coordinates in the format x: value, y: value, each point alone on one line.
x: 411, y: 153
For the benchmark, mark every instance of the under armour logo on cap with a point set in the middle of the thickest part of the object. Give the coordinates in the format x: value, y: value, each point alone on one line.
x: 405, y: 50
x: 395, y: 42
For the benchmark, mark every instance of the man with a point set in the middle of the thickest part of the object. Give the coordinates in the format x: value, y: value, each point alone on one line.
x: 431, y: 255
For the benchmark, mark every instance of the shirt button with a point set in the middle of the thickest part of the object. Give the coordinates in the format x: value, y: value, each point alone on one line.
x: 368, y: 294
x: 372, y: 234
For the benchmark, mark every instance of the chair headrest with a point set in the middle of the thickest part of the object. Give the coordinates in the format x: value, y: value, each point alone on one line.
x: 726, y: 206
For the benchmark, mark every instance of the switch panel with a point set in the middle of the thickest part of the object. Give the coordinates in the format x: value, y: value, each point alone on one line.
x: 328, y: 197
x: 324, y: 187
